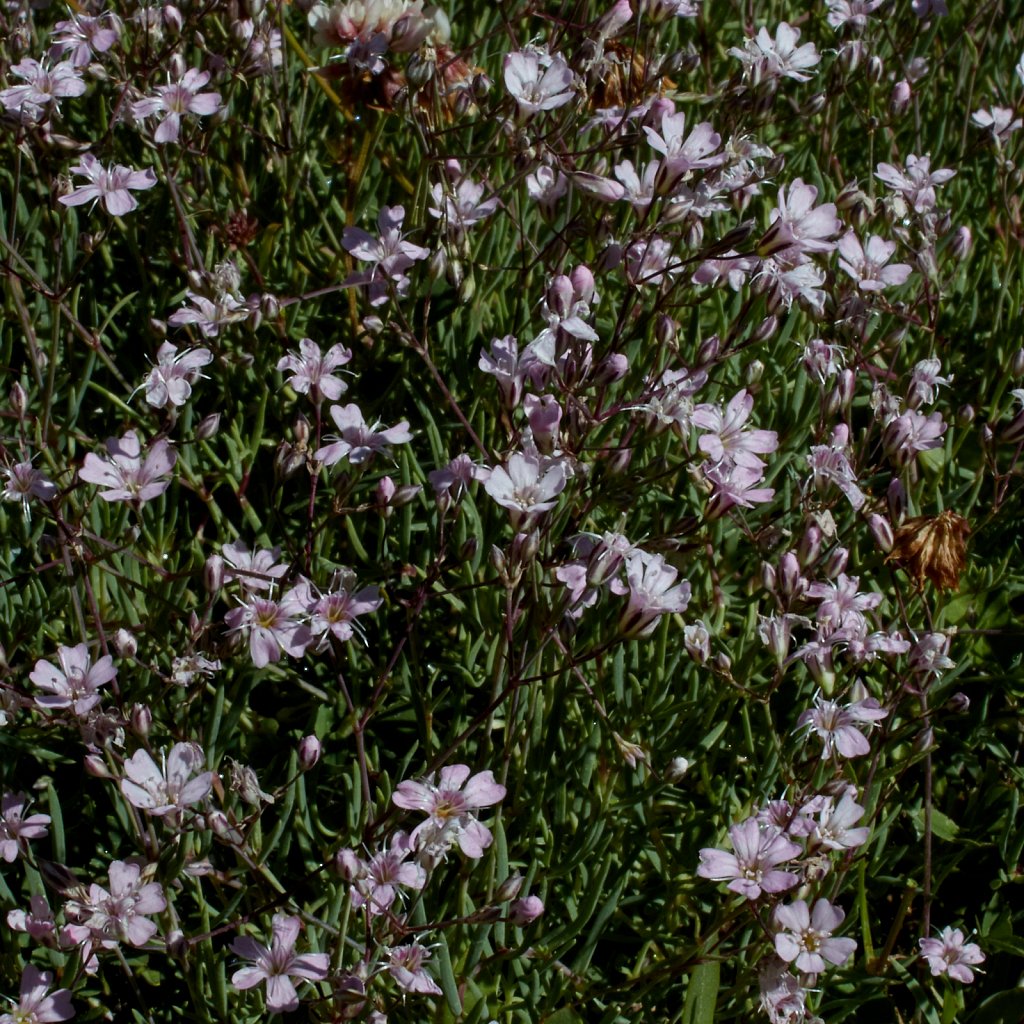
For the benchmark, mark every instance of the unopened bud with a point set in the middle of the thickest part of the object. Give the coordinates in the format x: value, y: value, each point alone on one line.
x: 469, y: 549
x: 610, y: 258
x: 172, y: 18
x: 900, y: 98
x: 524, y: 547
x: 677, y: 769
x: 269, y: 308
x: 708, y: 351
x: 309, y: 752
x: 213, y: 574
x: 722, y: 663
x: 809, y: 549
x: 836, y: 562
x: 418, y: 71
x: 766, y: 329
x: 18, y: 400
x: 965, y: 415
x: 613, y: 367
x: 125, y: 644
x: 754, y: 372
x: 961, y: 247
x: 881, y: 530
x: 526, y: 910
x: 768, y: 577
x: 697, y: 642
x: 497, y: 559
x: 875, y: 68
x: 509, y: 889
x: 141, y: 719
x: 384, y: 491
x: 218, y: 823
x: 96, y: 766
x: 665, y: 329
x: 1017, y: 366
x: 959, y: 704
x: 789, y: 578
x: 481, y: 86
x: 815, y: 105
x: 209, y: 426
x: 896, y: 499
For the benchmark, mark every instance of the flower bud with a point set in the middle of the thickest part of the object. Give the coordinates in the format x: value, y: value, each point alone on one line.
x: 697, y: 642
x: 509, y: 889
x: 754, y: 372
x: 677, y: 769
x: 522, y: 911
x: 481, y: 86
x: 961, y: 246
x: 96, y: 766
x: 468, y: 550
x: 765, y: 329
x: 610, y: 258
x: 722, y: 663
x: 790, y: 581
x: 419, y: 71
x: 875, y: 69
x: 125, y: 644
x: 526, y: 910
x: 959, y: 703
x: 1017, y: 365
x: 309, y: 752
x: 836, y: 563
x: 497, y: 559
x: 172, y: 18
x: 213, y: 574
x: 613, y: 367
x: 896, y: 499
x: 218, y: 823
x: 665, y: 329
x: 900, y: 98
x: 965, y: 415
x: 768, y: 577
x: 209, y: 426
x: 809, y: 549
x: 881, y: 530
x: 708, y: 351
x: 18, y: 400
x: 544, y: 415
x: 141, y: 719
x: 384, y: 491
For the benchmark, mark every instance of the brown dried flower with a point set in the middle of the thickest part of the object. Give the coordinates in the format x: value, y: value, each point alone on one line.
x: 933, y: 547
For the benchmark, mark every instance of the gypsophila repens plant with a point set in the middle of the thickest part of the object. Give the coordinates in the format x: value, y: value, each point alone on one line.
x: 512, y: 512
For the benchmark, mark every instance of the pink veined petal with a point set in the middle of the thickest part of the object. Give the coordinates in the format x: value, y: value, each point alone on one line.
x: 412, y: 796
x: 312, y: 966
x: 453, y: 776
x: 247, y: 947
x: 474, y: 839
x: 247, y: 977
x: 281, y: 994
x: 483, y: 791
x: 138, y: 796
x: 285, y: 931
x: 119, y: 202
x: 787, y: 947
x: 197, y: 788
x: 81, y: 195
x: 205, y: 104
x: 103, y: 671
x: 168, y: 130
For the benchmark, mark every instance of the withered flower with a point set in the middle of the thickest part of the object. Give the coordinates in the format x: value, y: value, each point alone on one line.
x: 933, y: 547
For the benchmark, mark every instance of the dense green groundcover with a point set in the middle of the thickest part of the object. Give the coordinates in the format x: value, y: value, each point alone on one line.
x: 720, y: 303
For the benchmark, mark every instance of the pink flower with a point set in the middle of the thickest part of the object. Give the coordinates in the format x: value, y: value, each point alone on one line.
x: 868, y: 266
x: 782, y: 998
x: 14, y: 828
x: 122, y: 914
x: 390, y: 255
x: 502, y: 363
x: 358, y: 440
x: 460, y: 205
x: 170, y: 382
x: 76, y: 682
x: 334, y: 613
x: 278, y: 964
x: 34, y: 1005
x: 735, y: 485
x: 407, y: 968
x: 837, y: 725
x: 526, y: 484
x: 765, y: 59
x: 727, y: 441
x: 807, y: 938
x: 175, y: 100
x: 25, y: 482
x: 172, y: 788
x: 752, y: 868
x: 313, y: 370
x: 798, y: 226
x: 833, y: 829
x: 538, y: 81
x: 84, y: 36
x: 916, y: 183
x: 125, y: 474
x: 254, y: 570
x: 272, y: 626
x: 375, y: 882
x: 45, y: 87
x: 449, y: 805
x: 653, y: 592
x: 111, y: 186
x: 950, y: 954
x: 685, y: 153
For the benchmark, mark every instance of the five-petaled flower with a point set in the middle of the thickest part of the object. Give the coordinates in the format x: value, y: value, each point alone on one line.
x: 806, y: 937
x: 15, y: 827
x: 75, y: 684
x: 36, y: 1004
x: 951, y: 954
x: 752, y: 869
x: 172, y: 787
x: 278, y: 964
x: 112, y: 186
x: 125, y: 474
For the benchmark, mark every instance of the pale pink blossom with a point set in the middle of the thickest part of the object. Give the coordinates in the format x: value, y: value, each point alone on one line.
x: 460, y: 204
x: 782, y: 997
x: 538, y: 81
x: 211, y: 316
x: 449, y: 804
x: 868, y: 266
x: 170, y: 382
x: 358, y: 441
x: 685, y: 153
x: 734, y: 484
x: 765, y: 58
x: 16, y: 828
x: 76, y: 683
x: 925, y: 379
x: 916, y: 182
x: 44, y: 88
x: 527, y: 484
x: 407, y: 967
x: 833, y: 829
x: 125, y: 474
x: 1000, y: 121
x: 806, y: 939
x: 334, y: 613
x: 753, y: 867
x: 25, y: 482
x: 271, y: 627
x: 837, y: 725
x: 502, y: 363
x: 278, y: 965
x: 112, y: 186
x: 121, y: 914
x: 172, y: 787
x: 798, y: 226
x: 653, y: 592
x: 174, y: 101
x: 375, y: 882
x: 726, y: 439
x: 254, y: 570
x: 952, y: 955
x: 312, y: 370
x: 36, y: 1003
x: 37, y: 921
x: 83, y: 36
x: 390, y: 255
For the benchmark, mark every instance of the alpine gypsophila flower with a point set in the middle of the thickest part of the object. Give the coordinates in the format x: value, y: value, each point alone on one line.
x: 278, y: 965
x: 952, y: 955
x: 125, y: 474
x: 111, y: 186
